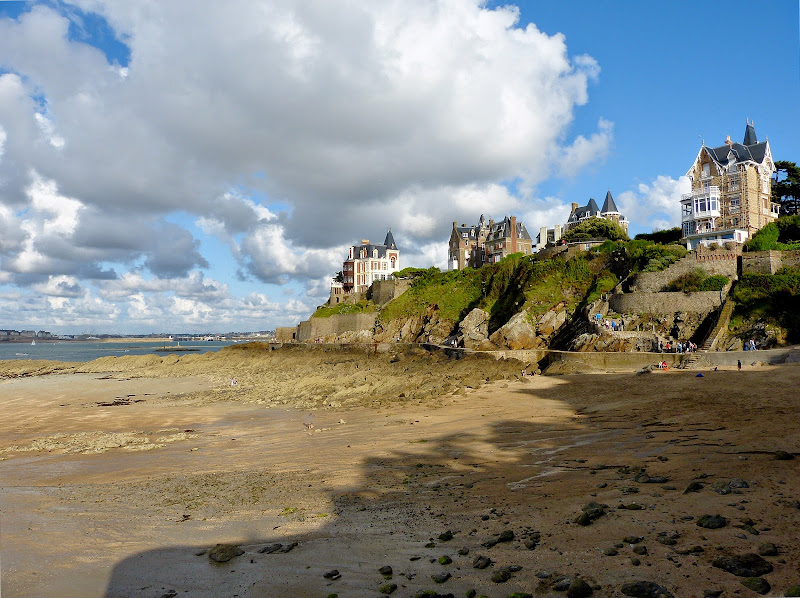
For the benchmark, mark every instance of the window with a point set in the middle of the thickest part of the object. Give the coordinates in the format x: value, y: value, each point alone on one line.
x: 706, y: 169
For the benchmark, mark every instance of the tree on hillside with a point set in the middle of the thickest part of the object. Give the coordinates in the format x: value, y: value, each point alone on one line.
x: 339, y: 277
x: 596, y: 228
x: 786, y: 187
x: 670, y: 235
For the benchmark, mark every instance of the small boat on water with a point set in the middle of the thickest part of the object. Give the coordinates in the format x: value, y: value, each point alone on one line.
x: 33, y: 342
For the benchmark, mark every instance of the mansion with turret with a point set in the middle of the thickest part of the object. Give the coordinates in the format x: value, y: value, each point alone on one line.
x: 486, y: 242
x: 365, y: 264
x: 731, y: 192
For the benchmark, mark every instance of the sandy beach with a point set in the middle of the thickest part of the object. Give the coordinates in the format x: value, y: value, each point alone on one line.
x: 120, y: 476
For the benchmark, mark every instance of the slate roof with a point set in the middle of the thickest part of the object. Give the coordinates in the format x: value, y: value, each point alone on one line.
x: 370, y: 247
x: 590, y: 209
x: 389, y: 241
x: 503, y: 229
x: 750, y: 135
x: 609, y: 205
x: 471, y: 231
x: 750, y: 149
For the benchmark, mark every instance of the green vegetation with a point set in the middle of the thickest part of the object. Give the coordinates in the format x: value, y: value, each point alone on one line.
x: 671, y: 235
x: 783, y: 234
x: 517, y: 282
x: 641, y: 255
x: 596, y: 228
x: 363, y: 306
x: 450, y: 291
x: 698, y: 280
x: 786, y: 187
x: 417, y: 272
x: 770, y: 300
x: 764, y: 239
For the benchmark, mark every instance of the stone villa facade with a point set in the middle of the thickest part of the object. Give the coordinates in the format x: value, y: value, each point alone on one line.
x: 609, y: 211
x: 731, y: 192
x: 579, y: 215
x: 486, y: 243
x: 365, y: 264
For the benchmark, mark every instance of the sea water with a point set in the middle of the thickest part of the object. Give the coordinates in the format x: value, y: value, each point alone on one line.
x: 87, y: 351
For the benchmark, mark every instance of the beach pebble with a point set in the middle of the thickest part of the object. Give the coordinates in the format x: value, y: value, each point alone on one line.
x: 693, y: 487
x: 501, y: 575
x: 743, y: 565
x: 222, y: 553
x: 712, y: 521
x: 758, y: 584
x: 579, y: 589
x: 646, y: 589
x: 767, y: 549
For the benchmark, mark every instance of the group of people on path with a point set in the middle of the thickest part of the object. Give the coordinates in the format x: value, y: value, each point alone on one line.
x: 750, y: 345
x: 678, y: 347
x: 609, y: 324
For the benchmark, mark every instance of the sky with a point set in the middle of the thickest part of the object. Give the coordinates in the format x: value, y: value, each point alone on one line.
x: 190, y: 166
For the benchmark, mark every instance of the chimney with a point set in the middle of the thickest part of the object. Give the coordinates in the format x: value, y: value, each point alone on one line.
x: 574, y: 207
x: 513, y: 234
x: 455, y: 224
x: 728, y: 141
x: 365, y: 241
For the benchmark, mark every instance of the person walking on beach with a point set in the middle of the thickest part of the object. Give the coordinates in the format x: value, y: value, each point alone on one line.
x: 739, y: 364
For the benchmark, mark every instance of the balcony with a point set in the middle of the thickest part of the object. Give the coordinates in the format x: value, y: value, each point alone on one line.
x: 700, y: 203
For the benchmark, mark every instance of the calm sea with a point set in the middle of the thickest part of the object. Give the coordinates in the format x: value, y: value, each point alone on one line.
x: 87, y: 351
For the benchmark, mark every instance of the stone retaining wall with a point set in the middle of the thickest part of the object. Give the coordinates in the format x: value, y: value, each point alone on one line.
x: 384, y: 291
x: 661, y: 303
x: 769, y: 262
x: 286, y: 334
x: 337, y: 324
x: 717, y: 262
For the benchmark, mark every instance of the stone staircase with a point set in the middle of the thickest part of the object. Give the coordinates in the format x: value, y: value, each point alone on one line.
x: 713, y: 337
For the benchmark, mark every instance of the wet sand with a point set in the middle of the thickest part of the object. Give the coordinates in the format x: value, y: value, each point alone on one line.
x: 114, y: 484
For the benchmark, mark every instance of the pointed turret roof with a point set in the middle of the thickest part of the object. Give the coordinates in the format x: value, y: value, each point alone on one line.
x: 389, y: 242
x: 750, y: 134
x: 592, y: 206
x: 609, y: 205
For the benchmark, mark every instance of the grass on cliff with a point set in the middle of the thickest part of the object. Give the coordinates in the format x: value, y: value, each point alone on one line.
x: 767, y: 300
x: 698, y: 280
x: 363, y: 306
x: 515, y: 283
x: 783, y: 234
x: 451, y: 291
